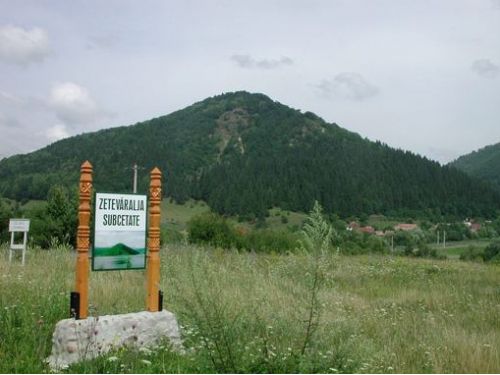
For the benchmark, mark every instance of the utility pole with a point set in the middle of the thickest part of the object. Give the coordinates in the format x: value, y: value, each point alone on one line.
x: 135, y: 168
x: 444, y: 239
x: 135, y: 177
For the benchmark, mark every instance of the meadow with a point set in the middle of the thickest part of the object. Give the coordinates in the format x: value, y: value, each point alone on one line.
x: 247, y: 312
x: 176, y: 216
x: 454, y: 249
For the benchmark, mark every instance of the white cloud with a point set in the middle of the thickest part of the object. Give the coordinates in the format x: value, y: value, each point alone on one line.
x: 57, y: 132
x: 8, y: 97
x: 248, y: 62
x: 352, y: 86
x: 22, y: 46
x: 485, y: 68
x: 74, y: 105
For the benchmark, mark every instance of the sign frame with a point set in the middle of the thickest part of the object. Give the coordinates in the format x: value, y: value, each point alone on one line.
x: 17, y: 221
x: 25, y: 228
x: 93, y: 231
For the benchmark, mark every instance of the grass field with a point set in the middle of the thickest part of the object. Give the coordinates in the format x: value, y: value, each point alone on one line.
x: 293, y: 219
x: 177, y: 215
x: 248, y: 313
x: 454, y: 249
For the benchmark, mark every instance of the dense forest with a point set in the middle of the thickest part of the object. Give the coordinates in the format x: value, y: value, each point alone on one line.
x: 484, y: 164
x: 243, y: 153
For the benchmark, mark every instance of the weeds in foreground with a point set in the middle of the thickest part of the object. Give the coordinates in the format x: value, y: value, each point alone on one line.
x: 316, y: 243
x: 376, y: 314
x: 237, y: 337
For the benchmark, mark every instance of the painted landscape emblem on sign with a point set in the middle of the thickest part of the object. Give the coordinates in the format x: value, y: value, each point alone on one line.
x: 119, y: 232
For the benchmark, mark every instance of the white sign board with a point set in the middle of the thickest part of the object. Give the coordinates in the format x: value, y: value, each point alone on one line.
x: 19, y: 225
x: 119, y: 232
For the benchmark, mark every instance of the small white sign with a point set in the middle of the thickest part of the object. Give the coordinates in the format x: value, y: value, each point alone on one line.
x: 119, y: 231
x: 19, y: 225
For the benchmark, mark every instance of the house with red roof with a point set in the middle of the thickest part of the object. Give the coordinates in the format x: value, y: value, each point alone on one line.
x: 405, y: 227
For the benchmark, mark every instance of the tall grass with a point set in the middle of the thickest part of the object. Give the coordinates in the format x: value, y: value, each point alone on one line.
x: 242, y: 312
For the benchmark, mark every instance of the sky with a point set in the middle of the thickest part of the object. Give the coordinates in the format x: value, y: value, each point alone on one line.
x: 418, y: 75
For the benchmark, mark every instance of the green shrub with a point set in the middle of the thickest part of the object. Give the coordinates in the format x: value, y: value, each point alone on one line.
x: 351, y: 248
x: 170, y: 235
x: 211, y: 229
x: 266, y: 240
x: 354, y: 243
x: 376, y: 245
x: 492, y: 252
x: 6, y: 213
x: 423, y: 250
x: 58, y: 219
x: 402, y: 238
x: 472, y: 253
x: 487, y: 232
x: 455, y: 231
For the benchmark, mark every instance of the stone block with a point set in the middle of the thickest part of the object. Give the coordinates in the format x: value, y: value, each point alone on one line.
x: 77, y: 340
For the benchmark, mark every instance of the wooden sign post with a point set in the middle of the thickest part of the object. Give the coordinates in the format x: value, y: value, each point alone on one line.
x: 79, y: 300
x: 154, y: 296
x: 119, y: 242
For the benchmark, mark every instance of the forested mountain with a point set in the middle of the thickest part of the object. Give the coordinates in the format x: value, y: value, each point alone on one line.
x: 244, y: 153
x: 484, y: 164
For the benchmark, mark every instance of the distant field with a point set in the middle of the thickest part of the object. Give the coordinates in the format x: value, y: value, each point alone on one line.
x: 177, y: 215
x: 33, y: 204
x: 454, y: 249
x: 248, y: 312
x: 173, y: 214
x: 292, y: 219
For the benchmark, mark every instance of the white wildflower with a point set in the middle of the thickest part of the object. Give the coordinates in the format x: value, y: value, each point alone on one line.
x: 146, y: 351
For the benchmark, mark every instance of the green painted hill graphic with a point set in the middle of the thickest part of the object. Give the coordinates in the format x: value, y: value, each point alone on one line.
x: 118, y: 249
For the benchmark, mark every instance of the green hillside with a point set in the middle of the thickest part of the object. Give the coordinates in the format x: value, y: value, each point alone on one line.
x: 243, y: 153
x: 118, y: 249
x: 484, y: 164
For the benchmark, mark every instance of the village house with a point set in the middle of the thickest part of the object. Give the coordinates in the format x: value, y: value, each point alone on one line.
x: 473, y: 227
x: 367, y: 229
x: 354, y: 226
x: 405, y: 227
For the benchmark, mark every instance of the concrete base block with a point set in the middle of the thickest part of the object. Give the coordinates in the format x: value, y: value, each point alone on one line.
x: 77, y: 340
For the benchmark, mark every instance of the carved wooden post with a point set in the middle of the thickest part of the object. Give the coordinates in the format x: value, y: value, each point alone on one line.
x: 83, y: 241
x: 153, y: 266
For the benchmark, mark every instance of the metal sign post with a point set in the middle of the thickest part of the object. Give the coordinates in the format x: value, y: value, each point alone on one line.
x: 18, y: 226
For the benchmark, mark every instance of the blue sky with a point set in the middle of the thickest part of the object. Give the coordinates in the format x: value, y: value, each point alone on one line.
x: 418, y: 75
